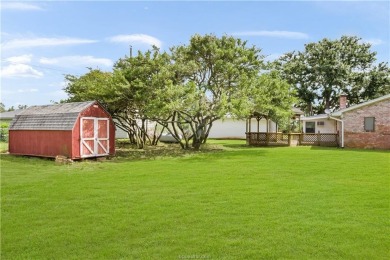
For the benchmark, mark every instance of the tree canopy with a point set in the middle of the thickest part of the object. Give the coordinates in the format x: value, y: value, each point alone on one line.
x: 327, y: 68
x: 127, y: 93
x: 193, y: 85
x: 214, y: 73
x: 186, y: 90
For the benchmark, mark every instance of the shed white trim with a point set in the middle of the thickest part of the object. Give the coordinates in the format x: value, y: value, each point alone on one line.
x: 98, y: 141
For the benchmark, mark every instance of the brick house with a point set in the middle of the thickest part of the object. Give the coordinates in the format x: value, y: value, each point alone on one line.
x: 366, y: 125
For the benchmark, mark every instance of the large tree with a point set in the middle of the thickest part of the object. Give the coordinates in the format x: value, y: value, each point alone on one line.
x: 146, y: 75
x: 185, y: 91
x: 327, y: 68
x: 127, y: 93
x: 273, y: 96
x: 373, y: 84
x: 214, y: 72
x: 293, y: 67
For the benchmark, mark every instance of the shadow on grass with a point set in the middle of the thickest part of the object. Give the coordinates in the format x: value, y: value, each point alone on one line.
x: 236, y: 146
x: 126, y: 152
x: 24, y: 159
x: 208, y: 151
x: 324, y: 148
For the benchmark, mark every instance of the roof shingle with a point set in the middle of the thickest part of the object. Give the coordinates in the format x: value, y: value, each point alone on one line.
x: 49, y: 117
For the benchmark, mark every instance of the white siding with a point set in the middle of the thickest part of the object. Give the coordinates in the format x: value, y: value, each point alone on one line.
x: 329, y: 126
x: 230, y: 128
x: 119, y: 133
x: 262, y: 126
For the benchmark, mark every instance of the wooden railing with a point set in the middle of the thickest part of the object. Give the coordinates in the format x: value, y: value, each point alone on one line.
x: 291, y: 139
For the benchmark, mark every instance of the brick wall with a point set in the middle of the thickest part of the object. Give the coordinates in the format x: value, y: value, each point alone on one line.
x: 354, y: 134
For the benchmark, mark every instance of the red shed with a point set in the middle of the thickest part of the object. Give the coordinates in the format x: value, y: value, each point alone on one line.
x: 75, y: 130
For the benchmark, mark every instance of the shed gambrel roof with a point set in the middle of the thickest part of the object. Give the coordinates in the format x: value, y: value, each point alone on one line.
x: 49, y: 117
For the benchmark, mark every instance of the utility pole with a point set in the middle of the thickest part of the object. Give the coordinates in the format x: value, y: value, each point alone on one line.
x: 131, y: 51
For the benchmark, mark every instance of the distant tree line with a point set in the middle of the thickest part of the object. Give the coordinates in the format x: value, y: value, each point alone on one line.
x: 186, y: 90
x: 4, y: 124
x: 327, y: 68
x: 12, y: 108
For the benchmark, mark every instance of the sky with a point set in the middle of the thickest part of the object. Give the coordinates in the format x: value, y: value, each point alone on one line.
x: 42, y: 41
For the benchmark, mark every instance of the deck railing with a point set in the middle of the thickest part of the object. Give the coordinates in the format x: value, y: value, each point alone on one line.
x: 291, y: 139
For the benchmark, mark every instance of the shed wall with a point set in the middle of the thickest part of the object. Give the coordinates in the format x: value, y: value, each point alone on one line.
x: 236, y: 129
x: 46, y: 143
x: 228, y: 128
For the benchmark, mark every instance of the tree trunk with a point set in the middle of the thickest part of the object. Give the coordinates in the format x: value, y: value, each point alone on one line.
x: 327, y: 103
x: 199, y: 136
x: 207, y: 132
x: 157, y: 134
x: 309, y: 108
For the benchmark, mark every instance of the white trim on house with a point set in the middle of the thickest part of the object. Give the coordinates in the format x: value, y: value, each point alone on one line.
x: 342, y: 129
x: 338, y: 115
x: 311, y: 118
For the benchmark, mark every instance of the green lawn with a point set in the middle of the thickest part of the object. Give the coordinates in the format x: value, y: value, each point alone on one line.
x: 233, y: 203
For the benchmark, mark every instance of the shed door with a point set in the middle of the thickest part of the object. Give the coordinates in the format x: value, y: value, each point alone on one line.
x: 94, y: 137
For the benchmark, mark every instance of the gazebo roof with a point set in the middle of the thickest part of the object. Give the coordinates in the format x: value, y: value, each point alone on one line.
x: 296, y: 113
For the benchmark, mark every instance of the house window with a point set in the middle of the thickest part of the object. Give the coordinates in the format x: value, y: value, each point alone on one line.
x: 310, y: 127
x: 369, y: 124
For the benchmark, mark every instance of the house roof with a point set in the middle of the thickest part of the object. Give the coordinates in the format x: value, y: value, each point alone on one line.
x: 49, y: 117
x: 10, y: 114
x: 340, y: 112
x: 315, y: 117
x: 297, y: 111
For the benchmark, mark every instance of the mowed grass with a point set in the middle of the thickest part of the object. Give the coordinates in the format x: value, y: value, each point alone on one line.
x: 235, y: 203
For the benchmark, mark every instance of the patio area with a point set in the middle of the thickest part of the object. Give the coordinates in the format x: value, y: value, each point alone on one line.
x: 291, y: 139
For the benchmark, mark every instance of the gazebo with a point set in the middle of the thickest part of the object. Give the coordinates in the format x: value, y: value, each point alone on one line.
x: 266, y: 133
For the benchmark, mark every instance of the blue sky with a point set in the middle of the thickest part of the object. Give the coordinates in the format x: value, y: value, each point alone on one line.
x: 43, y: 41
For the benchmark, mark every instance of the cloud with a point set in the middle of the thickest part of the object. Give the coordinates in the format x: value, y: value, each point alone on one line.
x: 18, y: 67
x: 20, y: 6
x: 136, y: 38
x: 373, y: 42
x: 30, y: 90
x: 20, y: 70
x: 20, y: 59
x: 43, y: 42
x: 277, y: 34
x: 72, y: 61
